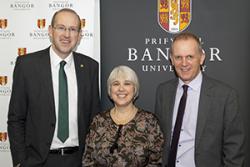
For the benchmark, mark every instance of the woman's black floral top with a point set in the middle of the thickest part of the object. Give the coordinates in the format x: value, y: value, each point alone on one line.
x: 138, y: 143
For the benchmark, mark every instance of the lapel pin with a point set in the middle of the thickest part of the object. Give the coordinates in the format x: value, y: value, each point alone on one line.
x: 81, y: 65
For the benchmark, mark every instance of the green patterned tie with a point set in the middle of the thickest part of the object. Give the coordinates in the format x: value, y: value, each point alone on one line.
x: 63, y: 114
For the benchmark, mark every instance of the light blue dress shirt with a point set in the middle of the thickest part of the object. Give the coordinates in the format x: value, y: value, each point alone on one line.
x: 185, y: 152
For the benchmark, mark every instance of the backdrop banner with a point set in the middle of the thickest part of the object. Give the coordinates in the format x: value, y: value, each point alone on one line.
x: 139, y: 34
x: 24, y: 29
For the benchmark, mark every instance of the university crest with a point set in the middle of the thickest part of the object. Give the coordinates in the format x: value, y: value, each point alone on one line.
x: 3, y: 23
x: 41, y: 23
x: 3, y: 80
x: 22, y: 51
x: 3, y: 136
x: 174, y: 15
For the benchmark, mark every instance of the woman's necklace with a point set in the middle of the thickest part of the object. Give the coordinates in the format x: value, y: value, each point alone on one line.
x: 123, y: 118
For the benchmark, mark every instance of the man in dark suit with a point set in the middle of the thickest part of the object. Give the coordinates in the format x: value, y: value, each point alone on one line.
x: 210, y: 133
x: 35, y: 108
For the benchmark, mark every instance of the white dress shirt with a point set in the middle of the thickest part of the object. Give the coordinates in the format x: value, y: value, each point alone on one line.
x: 185, y: 152
x: 69, y: 69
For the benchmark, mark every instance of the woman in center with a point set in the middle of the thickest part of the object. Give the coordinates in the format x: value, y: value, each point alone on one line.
x: 125, y: 135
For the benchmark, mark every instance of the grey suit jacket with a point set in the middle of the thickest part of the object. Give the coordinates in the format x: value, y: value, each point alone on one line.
x: 31, y: 117
x: 219, y: 139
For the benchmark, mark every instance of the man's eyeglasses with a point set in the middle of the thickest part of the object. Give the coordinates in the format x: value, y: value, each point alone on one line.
x: 62, y: 29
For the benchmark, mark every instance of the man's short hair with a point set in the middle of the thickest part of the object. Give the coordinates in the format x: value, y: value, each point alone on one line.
x: 186, y: 36
x: 65, y: 10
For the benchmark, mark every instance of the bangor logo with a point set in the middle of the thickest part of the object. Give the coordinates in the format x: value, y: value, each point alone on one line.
x: 41, y: 23
x: 3, y: 23
x: 174, y: 15
x: 3, y: 136
x: 22, y: 51
x: 3, y: 80
x: 83, y: 22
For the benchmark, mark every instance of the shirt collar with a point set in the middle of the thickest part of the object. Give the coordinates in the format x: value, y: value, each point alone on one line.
x: 55, y: 59
x: 195, y: 84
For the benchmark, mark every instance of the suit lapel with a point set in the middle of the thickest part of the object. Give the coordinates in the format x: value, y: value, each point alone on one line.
x: 166, y: 114
x: 80, y: 68
x: 204, y: 108
x: 46, y: 75
x: 80, y: 74
x: 169, y: 107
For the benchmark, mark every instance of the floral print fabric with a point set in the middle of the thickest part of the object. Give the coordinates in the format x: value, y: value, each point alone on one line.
x: 139, y: 144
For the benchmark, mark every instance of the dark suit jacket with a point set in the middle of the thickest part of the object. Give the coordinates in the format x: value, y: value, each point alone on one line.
x: 219, y: 135
x: 31, y: 117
